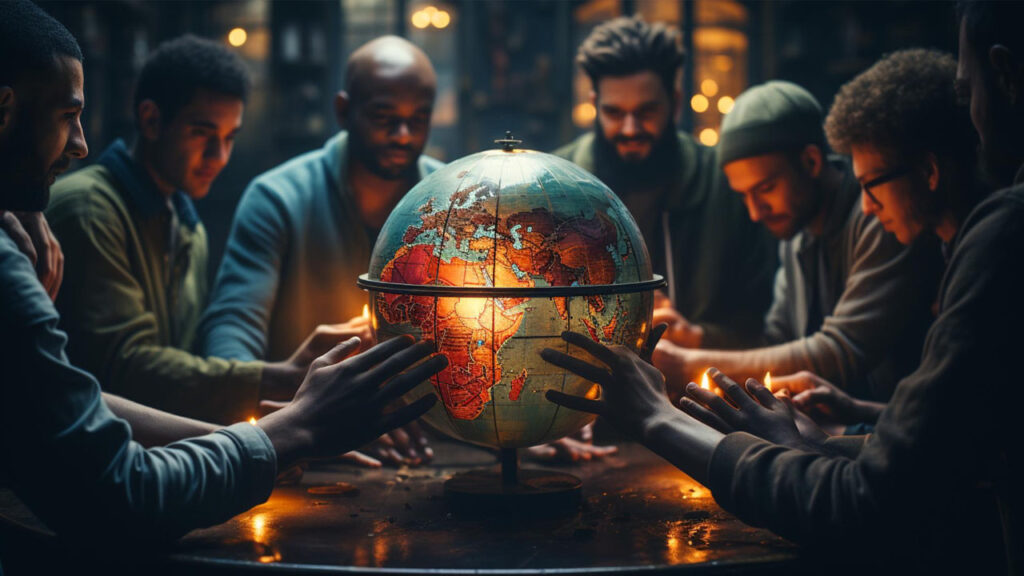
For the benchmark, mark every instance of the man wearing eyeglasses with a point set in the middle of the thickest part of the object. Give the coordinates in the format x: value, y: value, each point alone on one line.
x: 850, y: 303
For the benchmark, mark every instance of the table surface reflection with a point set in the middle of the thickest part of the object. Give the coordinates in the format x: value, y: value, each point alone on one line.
x: 638, y: 513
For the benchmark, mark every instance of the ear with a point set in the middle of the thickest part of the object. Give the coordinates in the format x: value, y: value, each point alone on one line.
x: 7, y: 101
x: 1009, y: 75
x: 931, y: 171
x: 342, y: 104
x: 149, y: 120
x: 813, y: 160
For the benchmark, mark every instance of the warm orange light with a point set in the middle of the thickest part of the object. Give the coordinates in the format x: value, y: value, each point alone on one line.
x: 583, y: 114
x: 704, y: 382
x: 699, y: 103
x: 252, y: 420
x: 709, y: 87
x: 708, y: 137
x: 421, y: 19
x: 768, y: 380
x: 237, y: 37
x: 725, y: 104
x: 440, y: 19
x: 366, y: 311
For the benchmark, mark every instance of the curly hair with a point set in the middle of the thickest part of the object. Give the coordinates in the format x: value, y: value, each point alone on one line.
x: 625, y: 46
x: 905, y: 103
x: 179, y: 67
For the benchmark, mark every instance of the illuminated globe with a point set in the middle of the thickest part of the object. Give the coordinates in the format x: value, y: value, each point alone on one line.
x: 492, y: 257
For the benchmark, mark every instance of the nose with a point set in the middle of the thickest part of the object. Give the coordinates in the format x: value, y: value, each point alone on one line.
x: 218, y: 149
x: 77, y: 147
x: 401, y: 133
x: 867, y: 205
x: 630, y: 125
x: 756, y: 209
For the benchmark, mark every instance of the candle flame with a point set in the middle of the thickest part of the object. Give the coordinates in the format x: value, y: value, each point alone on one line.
x: 704, y: 382
x: 768, y: 381
x: 252, y: 420
x: 366, y: 311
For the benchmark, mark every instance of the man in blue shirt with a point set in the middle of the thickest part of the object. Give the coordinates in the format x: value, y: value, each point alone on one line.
x: 63, y: 449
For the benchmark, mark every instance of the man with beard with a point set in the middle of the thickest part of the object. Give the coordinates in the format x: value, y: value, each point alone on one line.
x: 304, y: 231
x: 947, y: 451
x: 719, y: 266
x: 66, y: 449
x: 851, y: 304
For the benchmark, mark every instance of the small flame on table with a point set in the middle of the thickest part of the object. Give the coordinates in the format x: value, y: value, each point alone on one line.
x: 768, y: 381
x: 252, y: 420
x: 704, y: 382
x: 366, y: 311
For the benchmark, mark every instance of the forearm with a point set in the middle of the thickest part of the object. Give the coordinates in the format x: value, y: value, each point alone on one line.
x: 867, y: 411
x: 152, y: 427
x: 684, y: 442
x: 172, y: 380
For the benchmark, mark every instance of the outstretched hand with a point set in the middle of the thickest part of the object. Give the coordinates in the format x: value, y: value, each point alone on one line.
x: 753, y: 409
x: 633, y: 390
x: 340, y: 405
x: 828, y: 404
x: 573, y: 449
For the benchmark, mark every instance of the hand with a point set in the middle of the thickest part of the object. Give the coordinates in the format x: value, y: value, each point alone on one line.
x: 632, y: 390
x: 680, y: 331
x: 340, y: 405
x: 674, y: 363
x: 281, y: 379
x: 33, y: 236
x: 825, y: 402
x: 572, y: 450
x: 406, y: 445
x: 754, y: 409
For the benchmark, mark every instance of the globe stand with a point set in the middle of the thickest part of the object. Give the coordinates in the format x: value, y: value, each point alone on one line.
x: 510, y: 490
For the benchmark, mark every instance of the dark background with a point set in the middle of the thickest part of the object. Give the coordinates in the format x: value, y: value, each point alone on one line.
x: 501, y: 65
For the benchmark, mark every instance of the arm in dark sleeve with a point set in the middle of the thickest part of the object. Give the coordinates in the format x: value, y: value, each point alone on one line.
x: 115, y: 334
x: 918, y: 472
x: 75, y: 464
x: 237, y: 319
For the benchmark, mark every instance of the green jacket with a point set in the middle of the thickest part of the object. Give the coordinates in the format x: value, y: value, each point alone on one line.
x: 719, y: 265
x: 131, y: 302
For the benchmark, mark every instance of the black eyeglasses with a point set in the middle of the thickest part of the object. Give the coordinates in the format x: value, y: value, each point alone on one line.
x: 887, y: 177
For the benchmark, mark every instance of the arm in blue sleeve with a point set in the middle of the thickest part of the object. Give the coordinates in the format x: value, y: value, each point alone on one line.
x: 75, y: 464
x: 237, y: 320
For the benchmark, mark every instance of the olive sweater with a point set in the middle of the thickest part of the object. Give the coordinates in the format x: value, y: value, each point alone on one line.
x: 133, y: 293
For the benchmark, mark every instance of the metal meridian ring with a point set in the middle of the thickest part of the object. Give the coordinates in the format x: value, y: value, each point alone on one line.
x: 510, y: 292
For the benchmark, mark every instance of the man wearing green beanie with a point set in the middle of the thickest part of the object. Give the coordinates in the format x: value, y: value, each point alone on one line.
x: 851, y: 304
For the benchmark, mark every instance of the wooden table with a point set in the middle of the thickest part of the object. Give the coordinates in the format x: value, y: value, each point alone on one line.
x: 638, y: 514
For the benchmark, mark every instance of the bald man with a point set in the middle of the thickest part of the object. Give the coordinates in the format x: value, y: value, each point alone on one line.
x: 303, y: 231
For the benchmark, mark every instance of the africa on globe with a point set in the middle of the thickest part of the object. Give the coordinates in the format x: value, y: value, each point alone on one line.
x: 493, y: 257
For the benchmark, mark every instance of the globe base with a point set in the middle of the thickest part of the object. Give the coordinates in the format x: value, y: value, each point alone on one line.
x: 536, y: 492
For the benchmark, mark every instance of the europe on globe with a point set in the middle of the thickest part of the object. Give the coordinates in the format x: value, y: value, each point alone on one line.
x: 493, y: 257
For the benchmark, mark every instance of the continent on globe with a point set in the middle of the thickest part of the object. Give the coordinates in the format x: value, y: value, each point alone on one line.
x: 468, y: 245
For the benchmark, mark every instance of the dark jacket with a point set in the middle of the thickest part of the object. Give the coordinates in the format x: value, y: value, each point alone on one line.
x: 719, y: 265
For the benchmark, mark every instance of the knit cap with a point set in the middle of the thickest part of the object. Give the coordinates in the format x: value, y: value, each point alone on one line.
x: 771, y: 117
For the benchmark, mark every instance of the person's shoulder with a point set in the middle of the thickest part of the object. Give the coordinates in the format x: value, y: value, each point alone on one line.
x: 570, y: 150
x: 23, y: 301
x: 300, y: 175
x: 428, y: 164
x: 86, y: 195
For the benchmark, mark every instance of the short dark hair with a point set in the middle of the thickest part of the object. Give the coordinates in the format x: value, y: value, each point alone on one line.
x: 990, y: 22
x: 30, y: 39
x: 179, y: 67
x: 625, y: 46
x: 905, y: 103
